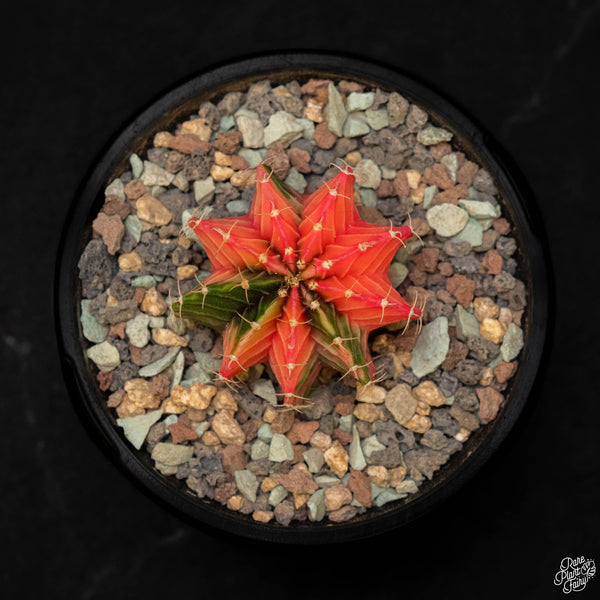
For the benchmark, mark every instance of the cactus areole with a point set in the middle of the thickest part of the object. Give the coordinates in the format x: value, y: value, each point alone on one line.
x: 298, y: 282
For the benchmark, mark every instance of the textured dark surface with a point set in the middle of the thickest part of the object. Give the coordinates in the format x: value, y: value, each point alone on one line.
x: 72, y: 525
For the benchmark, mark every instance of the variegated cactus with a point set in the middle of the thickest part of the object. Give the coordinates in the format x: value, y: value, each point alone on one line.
x: 298, y: 282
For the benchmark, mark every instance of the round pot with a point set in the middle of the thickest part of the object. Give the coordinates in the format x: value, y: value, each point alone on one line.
x: 160, y: 115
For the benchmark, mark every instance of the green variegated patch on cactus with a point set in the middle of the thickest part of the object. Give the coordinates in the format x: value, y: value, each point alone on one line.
x: 298, y: 282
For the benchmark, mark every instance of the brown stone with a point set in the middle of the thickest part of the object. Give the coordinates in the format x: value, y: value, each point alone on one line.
x: 484, y: 307
x: 104, y: 379
x: 153, y: 303
x: 302, y: 431
x: 438, y: 151
x: 224, y: 492
x: 111, y: 230
x: 140, y: 392
x: 228, y: 142
x: 492, y: 330
x: 239, y: 163
x: 243, y: 179
x: 312, y: 85
x: 297, y: 481
x: 438, y: 175
x: 456, y: 352
x: 429, y: 392
x: 299, y: 159
x: 400, y: 184
x: 466, y: 420
x: 113, y: 205
x: 385, y: 189
x: 418, y: 423
x: 344, y: 404
x: 181, y: 432
x: 337, y: 496
x: 313, y: 110
x: 228, y: 429
x: 467, y: 172
x: 186, y: 143
x: 368, y: 412
x: 451, y: 195
x: 324, y: 138
x: 234, y: 459
x: 153, y: 211
x: 427, y: 259
x: 277, y: 158
x: 342, y: 436
x: 360, y: 486
x: 337, y: 459
x: 462, y: 288
x: 489, y: 403
x: 503, y: 371
x: 501, y: 225
x: 198, y: 127
x: 115, y: 398
x: 117, y: 330
x: 263, y: 516
x: 165, y: 337
x: 135, y: 189
x: 378, y: 474
x: 493, y: 262
x: 283, y: 421
x: 196, y: 396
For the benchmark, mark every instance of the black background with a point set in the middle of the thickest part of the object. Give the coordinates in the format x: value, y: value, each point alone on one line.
x: 72, y: 526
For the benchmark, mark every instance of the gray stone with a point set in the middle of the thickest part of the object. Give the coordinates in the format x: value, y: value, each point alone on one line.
x: 335, y: 112
x: 450, y: 161
x: 204, y: 190
x: 314, y: 459
x: 367, y: 174
x: 359, y: 101
x: 431, y: 347
x: 155, y: 175
x: 466, y: 323
x: 252, y: 130
x: 115, y: 188
x: 512, y: 343
x: 407, y: 486
x: 237, y: 207
x: 133, y: 226
x: 92, y: 330
x: 355, y: 125
x: 172, y: 454
x: 296, y: 180
x: 259, y: 450
x: 371, y: 444
x: 252, y: 157
x: 247, y: 484
x: 281, y: 448
x: 433, y: 135
x: 401, y: 403
x: 356, y: 458
x: 377, y: 119
x: 397, y: 109
x: 137, y: 330
x: 137, y: 165
x: 136, y: 428
x: 283, y: 127
x: 104, y: 355
x: 264, y: 433
x: 428, y: 195
x: 397, y: 273
x: 472, y: 233
x: 480, y: 210
x: 161, y: 364
x: 277, y: 495
x: 263, y: 388
x: 447, y: 219
x: 388, y: 495
x: 316, y: 505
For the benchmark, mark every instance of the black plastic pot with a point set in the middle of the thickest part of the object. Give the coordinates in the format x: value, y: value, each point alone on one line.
x: 161, y: 115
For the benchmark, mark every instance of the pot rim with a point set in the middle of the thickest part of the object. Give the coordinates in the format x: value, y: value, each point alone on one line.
x: 90, y: 404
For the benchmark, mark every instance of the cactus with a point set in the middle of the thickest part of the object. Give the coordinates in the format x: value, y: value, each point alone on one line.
x: 298, y: 282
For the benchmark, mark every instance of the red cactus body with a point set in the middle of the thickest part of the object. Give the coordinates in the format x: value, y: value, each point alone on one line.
x: 299, y: 282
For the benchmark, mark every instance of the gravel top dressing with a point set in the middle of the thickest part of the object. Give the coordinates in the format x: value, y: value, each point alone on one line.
x: 351, y: 448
